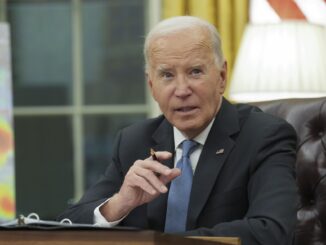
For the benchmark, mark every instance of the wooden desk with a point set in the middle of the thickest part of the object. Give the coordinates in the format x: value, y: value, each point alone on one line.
x: 98, y: 237
x: 226, y: 240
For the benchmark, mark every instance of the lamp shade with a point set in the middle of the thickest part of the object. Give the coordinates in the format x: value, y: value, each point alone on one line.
x: 282, y: 60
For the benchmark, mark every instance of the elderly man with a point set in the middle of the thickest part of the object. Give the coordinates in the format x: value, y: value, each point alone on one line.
x: 218, y: 169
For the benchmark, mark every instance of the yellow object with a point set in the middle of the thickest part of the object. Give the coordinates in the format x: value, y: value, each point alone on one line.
x: 6, y: 141
x: 203, y: 9
x: 174, y: 8
x: 7, y: 202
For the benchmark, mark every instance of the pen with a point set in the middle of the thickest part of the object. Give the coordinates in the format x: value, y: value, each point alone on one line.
x: 152, y: 152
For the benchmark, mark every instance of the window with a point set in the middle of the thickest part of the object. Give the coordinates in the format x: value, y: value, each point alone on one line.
x: 77, y: 79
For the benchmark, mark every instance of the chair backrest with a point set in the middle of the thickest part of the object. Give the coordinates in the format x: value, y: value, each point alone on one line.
x: 308, y: 117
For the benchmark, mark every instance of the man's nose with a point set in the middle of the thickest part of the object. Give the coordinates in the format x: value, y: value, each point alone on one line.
x: 182, y: 87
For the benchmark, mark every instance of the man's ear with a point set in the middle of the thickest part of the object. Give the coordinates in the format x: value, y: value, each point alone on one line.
x: 150, y: 84
x: 223, y: 74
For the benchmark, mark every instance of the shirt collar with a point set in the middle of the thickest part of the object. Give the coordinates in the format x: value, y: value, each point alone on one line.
x: 200, y: 138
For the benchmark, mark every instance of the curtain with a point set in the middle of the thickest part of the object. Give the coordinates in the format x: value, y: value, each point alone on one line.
x: 229, y: 16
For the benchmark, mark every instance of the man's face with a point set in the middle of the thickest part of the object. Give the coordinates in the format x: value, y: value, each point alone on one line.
x: 185, y: 80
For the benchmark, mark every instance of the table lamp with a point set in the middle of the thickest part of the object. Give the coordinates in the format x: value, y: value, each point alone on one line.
x: 280, y: 60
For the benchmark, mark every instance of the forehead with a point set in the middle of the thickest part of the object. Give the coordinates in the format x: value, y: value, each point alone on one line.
x: 184, y: 44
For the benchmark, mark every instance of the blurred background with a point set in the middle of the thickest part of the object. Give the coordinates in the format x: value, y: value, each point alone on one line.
x: 72, y: 76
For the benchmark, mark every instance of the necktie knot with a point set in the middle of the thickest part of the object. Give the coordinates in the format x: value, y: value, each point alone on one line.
x: 188, y: 146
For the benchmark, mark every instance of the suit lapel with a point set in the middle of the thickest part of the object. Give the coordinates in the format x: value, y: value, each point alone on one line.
x: 215, y: 151
x: 164, y: 141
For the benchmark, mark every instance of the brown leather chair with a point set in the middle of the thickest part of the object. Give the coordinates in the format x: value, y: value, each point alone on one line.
x: 308, y: 117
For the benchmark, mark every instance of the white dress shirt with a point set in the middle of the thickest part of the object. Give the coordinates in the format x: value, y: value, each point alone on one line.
x: 179, y: 137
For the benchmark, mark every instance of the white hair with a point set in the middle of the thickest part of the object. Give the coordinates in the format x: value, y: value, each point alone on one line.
x: 179, y: 23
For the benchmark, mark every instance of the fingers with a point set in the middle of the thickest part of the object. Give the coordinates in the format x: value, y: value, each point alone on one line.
x: 147, y: 178
x: 167, y: 179
x: 146, y: 186
x: 147, y: 171
x: 153, y: 166
x: 161, y: 155
x: 144, y: 173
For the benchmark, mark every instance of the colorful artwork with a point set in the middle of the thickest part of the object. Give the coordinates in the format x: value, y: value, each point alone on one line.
x: 7, y: 180
x: 6, y: 142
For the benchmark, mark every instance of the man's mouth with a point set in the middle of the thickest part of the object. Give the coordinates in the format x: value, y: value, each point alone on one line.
x: 186, y: 109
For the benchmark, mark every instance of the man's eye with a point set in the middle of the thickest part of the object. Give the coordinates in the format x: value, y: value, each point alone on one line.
x: 166, y: 75
x: 196, y: 71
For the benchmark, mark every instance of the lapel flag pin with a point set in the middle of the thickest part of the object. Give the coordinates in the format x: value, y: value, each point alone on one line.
x: 220, y: 151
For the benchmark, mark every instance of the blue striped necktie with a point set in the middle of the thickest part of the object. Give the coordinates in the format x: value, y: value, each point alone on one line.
x: 179, y: 194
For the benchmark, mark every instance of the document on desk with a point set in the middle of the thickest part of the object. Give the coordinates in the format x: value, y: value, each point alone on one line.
x: 32, y: 221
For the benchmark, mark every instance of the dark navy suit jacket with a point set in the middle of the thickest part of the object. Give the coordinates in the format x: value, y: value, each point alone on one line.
x: 248, y: 191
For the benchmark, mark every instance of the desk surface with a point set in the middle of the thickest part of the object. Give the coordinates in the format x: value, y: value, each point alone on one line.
x: 101, y: 237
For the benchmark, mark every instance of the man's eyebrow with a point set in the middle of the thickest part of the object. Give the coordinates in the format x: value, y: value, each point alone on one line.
x: 197, y: 65
x: 161, y: 68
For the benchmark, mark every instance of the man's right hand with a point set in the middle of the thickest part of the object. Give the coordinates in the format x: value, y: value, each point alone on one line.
x: 145, y: 180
